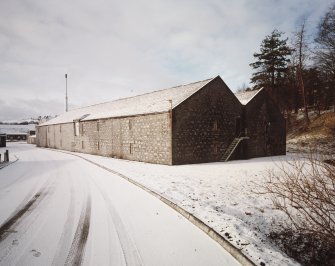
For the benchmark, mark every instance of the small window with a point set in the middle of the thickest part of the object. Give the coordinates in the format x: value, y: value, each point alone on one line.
x: 131, y: 148
x: 267, y: 127
x: 82, y: 128
x: 82, y: 144
x: 98, y: 145
x: 98, y: 126
x: 215, y: 125
x: 130, y: 124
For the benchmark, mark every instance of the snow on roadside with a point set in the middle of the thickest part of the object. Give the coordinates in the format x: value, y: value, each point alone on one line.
x: 219, y: 194
x: 12, y: 156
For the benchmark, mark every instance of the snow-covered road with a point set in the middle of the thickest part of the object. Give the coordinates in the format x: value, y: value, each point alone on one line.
x: 58, y: 209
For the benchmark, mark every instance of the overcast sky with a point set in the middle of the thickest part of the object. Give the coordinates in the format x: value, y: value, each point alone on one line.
x: 118, y: 48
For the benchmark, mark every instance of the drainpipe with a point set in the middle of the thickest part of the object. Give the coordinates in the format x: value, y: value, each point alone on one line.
x: 171, y: 130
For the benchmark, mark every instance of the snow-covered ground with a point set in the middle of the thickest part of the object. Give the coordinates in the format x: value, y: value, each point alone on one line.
x: 58, y: 209
x: 219, y: 194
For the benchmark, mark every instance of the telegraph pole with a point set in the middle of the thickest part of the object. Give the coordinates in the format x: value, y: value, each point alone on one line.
x: 66, y: 104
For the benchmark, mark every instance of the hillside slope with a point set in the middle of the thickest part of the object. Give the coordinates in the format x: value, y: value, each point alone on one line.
x: 318, y: 136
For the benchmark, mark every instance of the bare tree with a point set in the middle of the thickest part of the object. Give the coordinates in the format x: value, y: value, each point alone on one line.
x: 243, y: 88
x: 300, y: 55
x: 325, y: 52
x: 304, y: 189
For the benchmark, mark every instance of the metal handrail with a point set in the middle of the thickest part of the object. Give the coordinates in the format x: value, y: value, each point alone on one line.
x: 239, y: 139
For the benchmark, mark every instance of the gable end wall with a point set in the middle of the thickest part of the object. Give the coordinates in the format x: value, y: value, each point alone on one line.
x: 265, y: 140
x: 196, y: 138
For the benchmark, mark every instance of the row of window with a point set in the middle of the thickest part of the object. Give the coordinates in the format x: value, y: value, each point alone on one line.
x: 131, y: 147
x: 79, y: 127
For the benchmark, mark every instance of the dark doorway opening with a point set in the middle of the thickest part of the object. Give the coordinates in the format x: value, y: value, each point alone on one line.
x: 2, y: 140
x: 238, y: 126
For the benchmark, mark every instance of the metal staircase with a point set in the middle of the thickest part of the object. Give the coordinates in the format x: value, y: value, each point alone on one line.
x: 232, y: 147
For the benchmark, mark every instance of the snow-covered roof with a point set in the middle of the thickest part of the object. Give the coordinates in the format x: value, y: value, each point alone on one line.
x: 246, y: 96
x: 153, y: 102
x: 16, y: 129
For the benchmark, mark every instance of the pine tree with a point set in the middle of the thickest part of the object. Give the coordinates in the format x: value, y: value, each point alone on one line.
x: 272, y: 64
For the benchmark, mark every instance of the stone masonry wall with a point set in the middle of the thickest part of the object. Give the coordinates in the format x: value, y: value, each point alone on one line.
x: 41, y: 136
x: 205, y: 124
x: 59, y: 136
x: 144, y: 138
x: 266, y: 127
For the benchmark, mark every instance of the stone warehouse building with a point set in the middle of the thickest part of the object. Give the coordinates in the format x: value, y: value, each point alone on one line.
x: 195, y: 123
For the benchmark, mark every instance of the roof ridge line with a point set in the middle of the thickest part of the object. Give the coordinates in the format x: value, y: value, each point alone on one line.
x: 159, y: 90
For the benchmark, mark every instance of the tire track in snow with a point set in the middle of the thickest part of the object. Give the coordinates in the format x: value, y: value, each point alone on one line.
x: 14, y: 229
x: 21, y: 212
x: 130, y: 252
x: 77, y: 249
x: 63, y: 243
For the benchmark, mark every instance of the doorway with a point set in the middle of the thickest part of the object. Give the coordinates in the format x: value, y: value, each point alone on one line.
x: 237, y: 126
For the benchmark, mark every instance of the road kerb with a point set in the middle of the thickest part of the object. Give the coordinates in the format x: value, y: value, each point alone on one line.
x: 4, y: 164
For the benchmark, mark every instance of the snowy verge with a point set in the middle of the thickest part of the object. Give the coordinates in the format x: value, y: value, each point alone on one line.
x: 12, y: 159
x: 220, y: 195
